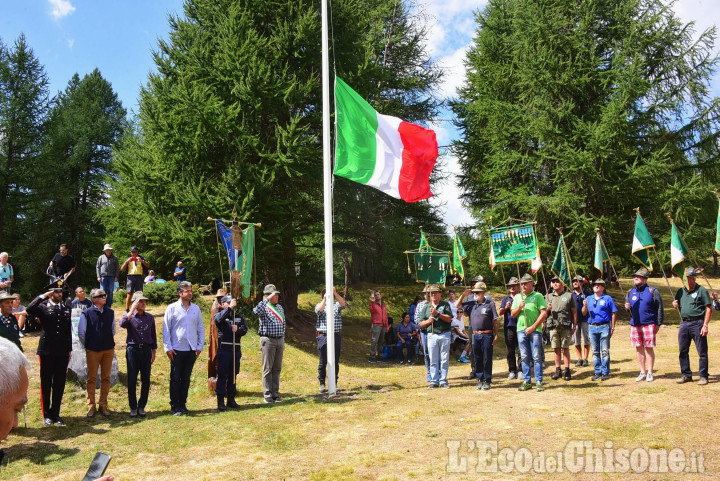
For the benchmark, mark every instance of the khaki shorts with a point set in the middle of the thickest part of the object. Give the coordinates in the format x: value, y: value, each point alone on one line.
x: 560, y: 337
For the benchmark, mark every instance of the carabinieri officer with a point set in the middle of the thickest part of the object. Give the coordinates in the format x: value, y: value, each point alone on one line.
x: 230, y: 327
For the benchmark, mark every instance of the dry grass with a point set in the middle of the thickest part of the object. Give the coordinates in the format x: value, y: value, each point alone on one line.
x: 384, y: 423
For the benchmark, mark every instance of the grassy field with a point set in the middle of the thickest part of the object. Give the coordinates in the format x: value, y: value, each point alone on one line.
x: 384, y: 423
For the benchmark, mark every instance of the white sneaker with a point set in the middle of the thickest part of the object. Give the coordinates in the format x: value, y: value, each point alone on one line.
x: 641, y: 377
x: 650, y: 377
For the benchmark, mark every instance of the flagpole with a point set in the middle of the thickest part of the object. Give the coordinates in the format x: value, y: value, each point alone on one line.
x: 663, y: 272
x: 692, y: 256
x: 222, y: 275
x: 602, y: 241
x: 327, y: 201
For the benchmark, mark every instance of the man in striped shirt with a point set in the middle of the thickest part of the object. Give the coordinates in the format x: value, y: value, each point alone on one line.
x: 272, y: 341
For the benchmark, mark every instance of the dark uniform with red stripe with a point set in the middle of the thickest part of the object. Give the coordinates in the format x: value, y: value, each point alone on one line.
x: 54, y: 350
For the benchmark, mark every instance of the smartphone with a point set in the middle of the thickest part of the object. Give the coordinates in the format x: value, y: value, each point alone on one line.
x: 97, y: 467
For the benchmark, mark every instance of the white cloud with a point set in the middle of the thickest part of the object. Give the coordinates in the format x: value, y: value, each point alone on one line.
x: 453, y: 68
x: 61, y: 8
x: 70, y: 43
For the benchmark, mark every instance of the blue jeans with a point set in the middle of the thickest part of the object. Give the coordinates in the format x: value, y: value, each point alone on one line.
x: 531, y: 344
x: 423, y: 336
x: 690, y: 331
x: 439, y: 350
x: 108, y: 285
x: 483, y: 352
x: 138, y: 362
x: 600, y: 345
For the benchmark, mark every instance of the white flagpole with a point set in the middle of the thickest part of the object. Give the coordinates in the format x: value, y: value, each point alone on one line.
x: 327, y: 200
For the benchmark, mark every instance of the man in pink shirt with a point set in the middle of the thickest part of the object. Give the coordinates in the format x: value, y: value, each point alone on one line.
x: 379, y: 325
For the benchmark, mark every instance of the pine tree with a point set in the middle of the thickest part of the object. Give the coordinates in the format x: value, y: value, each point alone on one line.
x: 573, y: 113
x: 232, y: 119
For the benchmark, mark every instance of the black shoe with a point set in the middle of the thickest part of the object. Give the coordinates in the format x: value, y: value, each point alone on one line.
x: 59, y: 422
x: 472, y: 376
x: 184, y: 411
x: 231, y: 403
x: 557, y: 375
x: 567, y: 374
x: 177, y: 413
x: 48, y: 422
x: 221, y: 402
x: 596, y: 377
x: 605, y: 377
x: 372, y: 360
x: 685, y: 379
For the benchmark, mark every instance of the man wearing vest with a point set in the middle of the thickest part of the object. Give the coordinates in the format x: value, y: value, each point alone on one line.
x: 9, y: 328
x: 646, y: 316
x: 530, y: 309
x: 694, y: 304
x: 54, y: 349
x: 602, y: 316
x: 561, y: 323
x: 96, y: 331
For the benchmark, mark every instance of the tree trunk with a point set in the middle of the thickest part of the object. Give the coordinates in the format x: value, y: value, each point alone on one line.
x: 346, y: 268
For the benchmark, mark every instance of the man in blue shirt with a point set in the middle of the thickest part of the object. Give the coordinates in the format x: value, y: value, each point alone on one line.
x: 179, y: 273
x: 183, y: 339
x: 602, y: 312
x: 581, y: 334
x: 510, y: 327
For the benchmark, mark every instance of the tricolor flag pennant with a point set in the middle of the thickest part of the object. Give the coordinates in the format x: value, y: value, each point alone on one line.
x: 384, y: 152
x: 601, y: 255
x: 642, y: 242
x: 717, y: 233
x: 678, y: 252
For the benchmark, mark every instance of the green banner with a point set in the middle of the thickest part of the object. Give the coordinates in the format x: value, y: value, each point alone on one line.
x: 458, y: 255
x: 431, y: 267
x: 560, y: 266
x: 246, y: 265
x: 601, y: 255
x: 513, y: 244
x: 717, y: 233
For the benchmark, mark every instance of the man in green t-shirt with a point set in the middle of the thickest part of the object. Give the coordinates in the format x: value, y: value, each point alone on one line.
x: 436, y: 317
x: 530, y: 309
x: 695, y: 308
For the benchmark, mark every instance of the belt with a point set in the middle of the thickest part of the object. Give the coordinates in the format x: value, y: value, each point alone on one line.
x: 483, y: 332
x: 272, y: 337
x: 693, y: 319
x: 139, y: 346
x: 598, y: 323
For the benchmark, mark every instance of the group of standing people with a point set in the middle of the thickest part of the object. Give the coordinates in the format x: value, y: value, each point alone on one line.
x: 580, y: 317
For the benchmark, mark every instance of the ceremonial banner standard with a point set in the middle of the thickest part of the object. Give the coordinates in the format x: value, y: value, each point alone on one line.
x: 240, y: 261
x: 560, y: 266
x: 431, y: 267
x: 601, y: 255
x: 642, y: 242
x: 678, y: 252
x: 458, y: 255
x: 513, y: 244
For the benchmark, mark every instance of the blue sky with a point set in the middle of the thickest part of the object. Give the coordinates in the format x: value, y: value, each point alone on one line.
x: 118, y: 37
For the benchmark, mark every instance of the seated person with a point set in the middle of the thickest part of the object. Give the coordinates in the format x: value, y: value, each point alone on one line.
x: 150, y: 278
x: 407, y: 333
x: 390, y: 341
x: 20, y: 314
x: 459, y: 340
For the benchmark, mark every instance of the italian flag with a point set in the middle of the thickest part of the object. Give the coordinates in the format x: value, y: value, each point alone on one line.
x: 384, y: 152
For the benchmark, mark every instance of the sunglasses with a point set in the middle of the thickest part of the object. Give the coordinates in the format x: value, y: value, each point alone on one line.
x: 101, y: 296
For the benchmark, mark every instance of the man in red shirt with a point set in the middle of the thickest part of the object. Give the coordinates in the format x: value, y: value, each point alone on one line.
x: 379, y: 325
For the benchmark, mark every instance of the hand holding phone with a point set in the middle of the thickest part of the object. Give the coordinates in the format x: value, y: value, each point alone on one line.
x: 97, y: 467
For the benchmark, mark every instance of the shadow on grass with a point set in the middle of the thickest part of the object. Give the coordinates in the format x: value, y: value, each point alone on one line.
x: 39, y: 452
